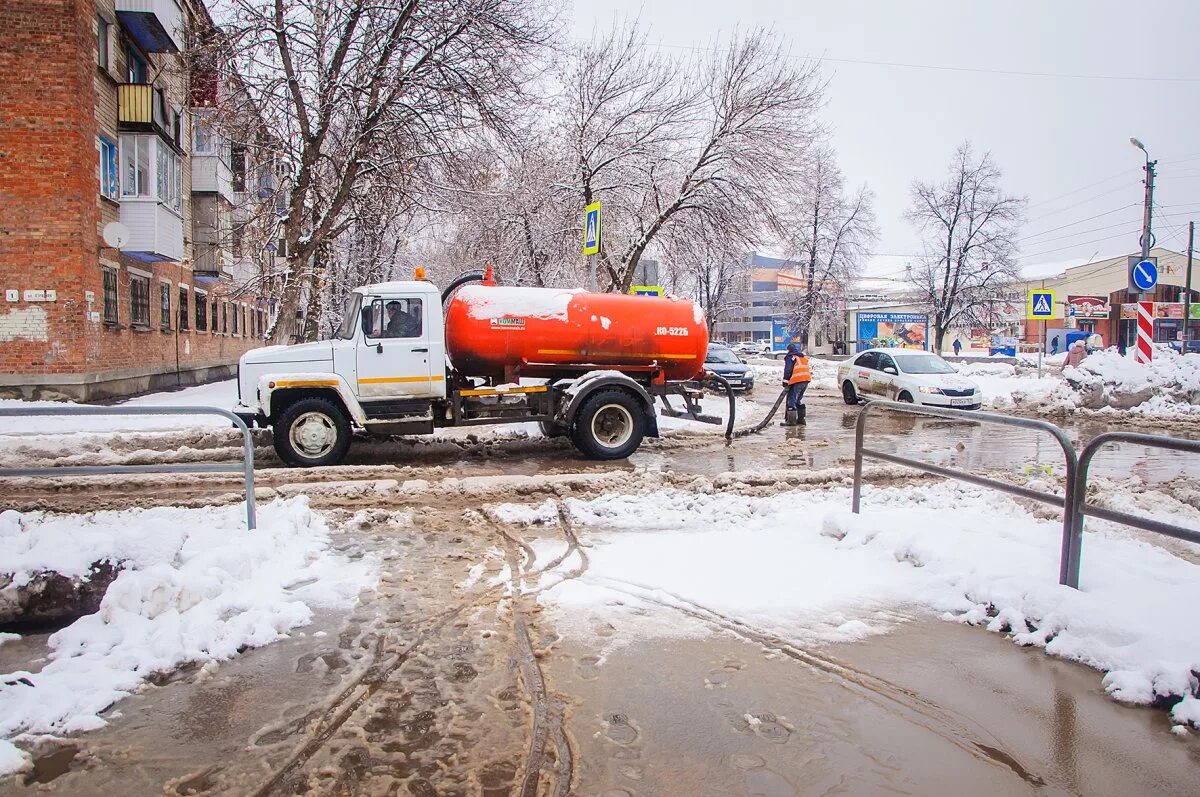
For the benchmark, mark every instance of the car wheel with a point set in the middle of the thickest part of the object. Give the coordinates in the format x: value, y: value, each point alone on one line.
x: 312, y: 432
x: 905, y: 397
x: 609, y: 425
x: 849, y: 394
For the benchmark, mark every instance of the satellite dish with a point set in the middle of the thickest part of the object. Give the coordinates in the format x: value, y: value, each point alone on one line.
x: 116, y: 234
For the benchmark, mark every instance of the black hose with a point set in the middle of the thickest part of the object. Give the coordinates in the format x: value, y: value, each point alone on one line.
x: 459, y: 281
x: 729, y: 393
x: 763, y: 423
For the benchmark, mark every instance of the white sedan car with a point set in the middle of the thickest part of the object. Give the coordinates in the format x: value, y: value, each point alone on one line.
x: 910, y: 375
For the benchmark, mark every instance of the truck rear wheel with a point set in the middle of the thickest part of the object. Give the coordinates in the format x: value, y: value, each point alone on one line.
x: 609, y: 425
x: 312, y: 432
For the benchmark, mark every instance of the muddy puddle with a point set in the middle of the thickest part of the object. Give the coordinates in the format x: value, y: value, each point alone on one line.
x: 933, y: 708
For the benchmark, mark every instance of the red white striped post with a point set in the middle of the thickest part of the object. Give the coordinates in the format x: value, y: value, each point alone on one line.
x: 1145, y: 331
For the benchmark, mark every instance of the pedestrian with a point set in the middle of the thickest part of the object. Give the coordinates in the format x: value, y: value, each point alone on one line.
x: 797, y: 373
x: 957, y: 347
x: 1075, y: 354
x: 1054, y: 345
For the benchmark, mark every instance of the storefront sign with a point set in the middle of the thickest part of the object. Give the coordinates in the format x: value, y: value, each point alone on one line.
x: 1129, y: 311
x: 892, y: 330
x: 1168, y: 310
x: 1087, y: 306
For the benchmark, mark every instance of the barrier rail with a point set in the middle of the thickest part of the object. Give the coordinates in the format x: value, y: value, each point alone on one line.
x: 247, y: 466
x: 1081, y: 508
x: 974, y: 416
x: 1074, y: 502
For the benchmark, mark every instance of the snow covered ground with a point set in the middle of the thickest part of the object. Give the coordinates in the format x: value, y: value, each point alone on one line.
x: 825, y: 575
x: 194, y: 586
x: 1168, y: 387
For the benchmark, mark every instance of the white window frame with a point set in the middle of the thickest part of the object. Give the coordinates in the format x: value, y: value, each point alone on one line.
x: 164, y: 170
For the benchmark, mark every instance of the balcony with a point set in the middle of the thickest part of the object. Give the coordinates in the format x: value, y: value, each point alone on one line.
x: 156, y: 25
x: 155, y: 232
x: 141, y: 107
x: 211, y: 175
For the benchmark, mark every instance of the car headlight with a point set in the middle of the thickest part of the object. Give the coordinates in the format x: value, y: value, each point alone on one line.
x: 934, y: 390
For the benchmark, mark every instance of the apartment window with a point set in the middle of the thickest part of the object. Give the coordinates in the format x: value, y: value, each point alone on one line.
x: 102, y: 27
x: 135, y: 66
x: 139, y: 301
x: 109, y: 179
x: 203, y: 140
x: 234, y: 330
x: 215, y: 317
x: 184, y: 317
x: 170, y: 177
x: 237, y: 167
x: 135, y: 165
x: 110, y: 295
x: 201, y: 312
x: 165, y: 305
x: 151, y: 169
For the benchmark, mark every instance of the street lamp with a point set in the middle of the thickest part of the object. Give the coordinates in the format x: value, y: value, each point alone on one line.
x: 1149, y: 200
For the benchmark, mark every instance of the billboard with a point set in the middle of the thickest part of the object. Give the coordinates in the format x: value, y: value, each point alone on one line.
x: 1087, y: 306
x: 780, y: 336
x: 892, y: 330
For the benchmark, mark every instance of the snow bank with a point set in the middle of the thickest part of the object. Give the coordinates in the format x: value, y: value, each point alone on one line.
x: 195, y: 587
x: 1169, y: 386
x: 962, y: 552
x: 214, y: 394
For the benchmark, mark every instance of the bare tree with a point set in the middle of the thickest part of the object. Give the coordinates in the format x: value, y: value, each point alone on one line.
x: 713, y: 271
x: 832, y: 238
x: 659, y: 139
x: 970, y: 227
x: 362, y: 93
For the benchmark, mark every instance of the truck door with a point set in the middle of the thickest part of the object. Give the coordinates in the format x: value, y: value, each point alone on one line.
x: 394, y: 358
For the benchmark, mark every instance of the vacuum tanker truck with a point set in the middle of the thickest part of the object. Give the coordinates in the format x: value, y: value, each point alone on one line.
x: 408, y: 360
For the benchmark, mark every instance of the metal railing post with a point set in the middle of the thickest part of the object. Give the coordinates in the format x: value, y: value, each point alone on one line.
x: 1073, y: 546
x: 246, y: 468
x: 859, y: 427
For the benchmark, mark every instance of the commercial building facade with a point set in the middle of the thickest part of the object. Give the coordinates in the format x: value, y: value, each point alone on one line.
x: 1095, y: 297
x: 115, y: 201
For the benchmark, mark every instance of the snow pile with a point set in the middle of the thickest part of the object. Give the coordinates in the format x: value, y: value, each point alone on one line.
x: 1106, y: 380
x: 195, y: 586
x: 962, y: 552
x: 770, y: 373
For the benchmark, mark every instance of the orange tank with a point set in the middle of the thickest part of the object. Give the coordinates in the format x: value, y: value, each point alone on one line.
x: 496, y: 331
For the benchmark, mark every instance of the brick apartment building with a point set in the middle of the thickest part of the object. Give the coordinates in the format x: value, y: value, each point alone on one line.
x: 99, y: 124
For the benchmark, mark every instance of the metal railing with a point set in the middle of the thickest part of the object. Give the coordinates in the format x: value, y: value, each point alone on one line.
x: 973, y: 416
x: 1080, y: 509
x: 246, y: 467
x: 1074, y: 501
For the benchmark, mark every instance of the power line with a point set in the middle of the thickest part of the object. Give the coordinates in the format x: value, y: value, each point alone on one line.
x: 1081, y: 221
x: 1081, y: 243
x: 1121, y: 173
x: 945, y: 68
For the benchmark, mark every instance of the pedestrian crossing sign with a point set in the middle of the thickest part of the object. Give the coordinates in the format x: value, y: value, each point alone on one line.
x: 591, y: 229
x: 1041, y: 304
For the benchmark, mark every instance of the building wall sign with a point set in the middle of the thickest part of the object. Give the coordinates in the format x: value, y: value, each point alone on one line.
x: 1088, y: 306
x: 892, y: 330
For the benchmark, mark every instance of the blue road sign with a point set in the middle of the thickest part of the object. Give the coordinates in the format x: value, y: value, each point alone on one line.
x: 1040, y: 305
x: 1144, y: 275
x: 591, y: 229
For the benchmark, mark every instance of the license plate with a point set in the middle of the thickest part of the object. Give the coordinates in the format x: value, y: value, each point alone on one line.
x: 961, y: 402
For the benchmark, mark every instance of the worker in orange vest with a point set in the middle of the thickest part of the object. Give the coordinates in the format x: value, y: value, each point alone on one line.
x: 797, y: 373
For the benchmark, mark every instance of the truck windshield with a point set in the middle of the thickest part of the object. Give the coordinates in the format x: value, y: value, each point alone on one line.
x: 350, y: 318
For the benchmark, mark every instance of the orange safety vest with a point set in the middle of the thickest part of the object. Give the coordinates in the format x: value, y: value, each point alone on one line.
x: 801, y: 371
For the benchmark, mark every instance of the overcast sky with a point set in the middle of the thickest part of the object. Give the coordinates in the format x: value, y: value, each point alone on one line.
x: 1061, y: 141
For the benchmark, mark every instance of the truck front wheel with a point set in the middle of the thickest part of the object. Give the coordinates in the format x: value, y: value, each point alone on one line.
x: 609, y: 425
x: 312, y: 432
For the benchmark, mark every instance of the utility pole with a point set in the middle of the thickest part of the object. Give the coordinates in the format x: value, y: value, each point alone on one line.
x: 1187, y: 289
x: 1148, y: 204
